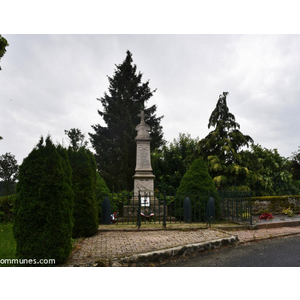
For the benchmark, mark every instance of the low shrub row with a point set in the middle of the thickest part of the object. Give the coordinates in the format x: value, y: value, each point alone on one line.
x: 275, y: 204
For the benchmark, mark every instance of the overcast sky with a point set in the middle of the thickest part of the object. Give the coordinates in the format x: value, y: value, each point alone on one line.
x: 49, y: 83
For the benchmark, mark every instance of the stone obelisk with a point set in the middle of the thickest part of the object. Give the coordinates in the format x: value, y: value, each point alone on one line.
x: 143, y: 178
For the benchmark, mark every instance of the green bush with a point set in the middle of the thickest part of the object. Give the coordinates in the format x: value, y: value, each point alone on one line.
x: 43, y: 210
x: 6, y: 208
x: 84, y: 186
x: 198, y: 185
x: 197, y: 179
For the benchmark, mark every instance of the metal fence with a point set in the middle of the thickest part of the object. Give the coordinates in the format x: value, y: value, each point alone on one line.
x: 236, y: 206
x: 163, y: 208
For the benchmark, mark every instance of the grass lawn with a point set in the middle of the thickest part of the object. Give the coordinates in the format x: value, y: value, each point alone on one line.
x: 7, y: 244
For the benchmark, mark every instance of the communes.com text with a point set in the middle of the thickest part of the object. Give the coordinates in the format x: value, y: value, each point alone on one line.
x: 25, y: 261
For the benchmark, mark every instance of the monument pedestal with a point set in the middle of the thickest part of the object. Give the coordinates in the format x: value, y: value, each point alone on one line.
x: 143, y: 178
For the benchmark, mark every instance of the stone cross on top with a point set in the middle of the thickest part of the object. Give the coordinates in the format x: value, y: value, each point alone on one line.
x: 142, y: 115
x: 142, y: 129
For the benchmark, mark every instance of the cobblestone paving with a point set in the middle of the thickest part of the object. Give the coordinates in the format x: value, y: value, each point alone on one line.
x: 112, y: 244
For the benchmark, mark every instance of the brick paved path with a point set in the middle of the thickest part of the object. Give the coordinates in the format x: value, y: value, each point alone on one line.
x: 107, y: 245
x: 112, y: 244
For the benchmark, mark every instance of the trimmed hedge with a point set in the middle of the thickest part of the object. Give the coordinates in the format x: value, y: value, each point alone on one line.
x: 275, y: 204
x: 275, y: 198
x: 43, y: 210
x: 84, y: 186
x: 197, y: 181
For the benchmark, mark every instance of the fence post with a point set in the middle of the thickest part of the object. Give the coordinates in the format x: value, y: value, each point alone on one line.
x: 210, y: 210
x: 139, y: 212
x: 187, y: 210
x: 106, y: 211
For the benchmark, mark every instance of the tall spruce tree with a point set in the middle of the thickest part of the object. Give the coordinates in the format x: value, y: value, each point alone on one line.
x: 114, y: 143
x: 221, y: 148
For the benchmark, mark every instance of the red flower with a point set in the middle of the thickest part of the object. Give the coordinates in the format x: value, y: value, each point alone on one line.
x: 266, y: 216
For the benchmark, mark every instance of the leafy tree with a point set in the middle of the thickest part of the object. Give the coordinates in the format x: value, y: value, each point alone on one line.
x: 8, y: 172
x: 274, y: 171
x: 3, y: 45
x: 114, y: 144
x: 76, y: 138
x: 84, y: 186
x: 221, y: 148
x: 43, y: 208
x: 172, y: 161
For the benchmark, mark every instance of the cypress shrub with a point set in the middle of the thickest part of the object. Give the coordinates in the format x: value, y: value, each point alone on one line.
x: 198, y: 185
x: 102, y: 191
x: 84, y: 186
x: 44, y: 205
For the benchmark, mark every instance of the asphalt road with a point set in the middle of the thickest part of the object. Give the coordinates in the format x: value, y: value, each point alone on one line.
x: 280, y: 252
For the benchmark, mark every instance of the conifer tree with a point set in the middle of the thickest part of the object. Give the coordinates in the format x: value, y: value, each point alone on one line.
x: 198, y: 185
x: 102, y: 191
x: 84, y: 176
x: 221, y: 148
x: 114, y: 143
x: 197, y: 180
x: 43, y: 208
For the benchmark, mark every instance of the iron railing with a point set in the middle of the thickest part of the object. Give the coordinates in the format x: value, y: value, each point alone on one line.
x: 163, y: 208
